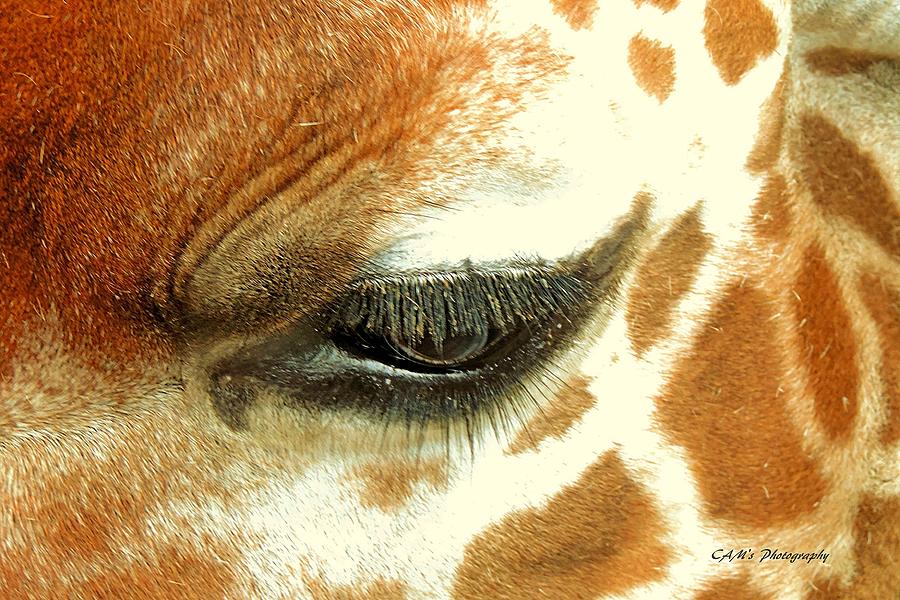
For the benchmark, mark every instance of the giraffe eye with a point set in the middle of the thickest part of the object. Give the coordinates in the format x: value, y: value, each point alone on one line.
x: 426, y: 348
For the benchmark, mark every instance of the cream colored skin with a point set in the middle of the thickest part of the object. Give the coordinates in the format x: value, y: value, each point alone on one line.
x: 599, y: 139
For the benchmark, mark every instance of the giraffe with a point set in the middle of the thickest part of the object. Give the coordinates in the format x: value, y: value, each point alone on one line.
x: 356, y: 299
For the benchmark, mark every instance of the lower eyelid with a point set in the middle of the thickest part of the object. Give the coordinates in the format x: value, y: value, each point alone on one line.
x: 332, y: 380
x: 344, y: 358
x: 330, y: 361
x: 344, y: 361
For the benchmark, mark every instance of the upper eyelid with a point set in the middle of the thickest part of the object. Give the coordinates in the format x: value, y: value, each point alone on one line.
x: 588, y: 267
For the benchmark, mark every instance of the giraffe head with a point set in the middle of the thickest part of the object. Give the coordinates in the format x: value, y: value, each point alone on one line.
x: 446, y: 298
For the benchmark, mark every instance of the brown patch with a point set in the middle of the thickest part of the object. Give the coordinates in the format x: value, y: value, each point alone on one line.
x: 836, y: 61
x: 884, y: 305
x: 876, y: 548
x: 738, y: 33
x: 578, y: 13
x: 827, y: 344
x: 665, y: 275
x: 724, y: 404
x: 389, y: 485
x: 736, y: 588
x: 174, y: 573
x: 663, y: 5
x: 767, y: 146
x: 653, y: 66
x: 565, y: 410
x: 186, y: 571
x: 600, y: 535
x: 84, y: 499
x: 771, y: 214
x: 79, y: 515
x: 379, y: 589
x: 848, y: 183
x: 180, y: 575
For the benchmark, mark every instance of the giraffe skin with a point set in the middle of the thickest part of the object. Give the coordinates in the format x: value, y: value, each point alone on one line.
x: 188, y: 188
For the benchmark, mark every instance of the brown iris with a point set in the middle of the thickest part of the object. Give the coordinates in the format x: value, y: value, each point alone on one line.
x: 455, y: 351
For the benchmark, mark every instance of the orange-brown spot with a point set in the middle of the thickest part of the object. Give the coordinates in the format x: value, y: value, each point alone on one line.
x: 380, y: 589
x: 192, y: 571
x: 738, y: 33
x: 653, y: 66
x: 578, y: 13
x: 84, y: 500
x: 78, y: 514
x: 600, y: 535
x: 884, y: 305
x: 848, y: 183
x: 187, y: 572
x: 663, y: 5
x: 724, y: 404
x: 767, y: 146
x: 736, y: 588
x: 565, y: 410
x: 876, y: 532
x: 389, y: 485
x: 771, y: 214
x: 836, y: 61
x: 827, y: 344
x: 665, y: 275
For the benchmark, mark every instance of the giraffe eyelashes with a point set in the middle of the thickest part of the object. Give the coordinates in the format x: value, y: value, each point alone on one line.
x: 445, y: 322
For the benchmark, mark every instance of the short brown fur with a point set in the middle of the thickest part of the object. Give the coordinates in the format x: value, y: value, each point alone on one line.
x: 663, y: 5
x: 847, y: 183
x: 379, y: 589
x: 734, y: 588
x: 107, y: 183
x: 387, y: 486
x: 827, y: 345
x: 738, y: 34
x: 876, y: 533
x: 578, y: 13
x: 767, y: 146
x: 834, y: 61
x: 172, y: 574
x: 566, y: 409
x: 663, y: 278
x: 653, y: 66
x: 598, y: 536
x: 724, y: 404
x: 771, y: 213
x: 70, y: 515
x: 883, y: 304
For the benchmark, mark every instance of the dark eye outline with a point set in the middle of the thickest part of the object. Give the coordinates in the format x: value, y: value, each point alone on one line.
x: 311, y: 373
